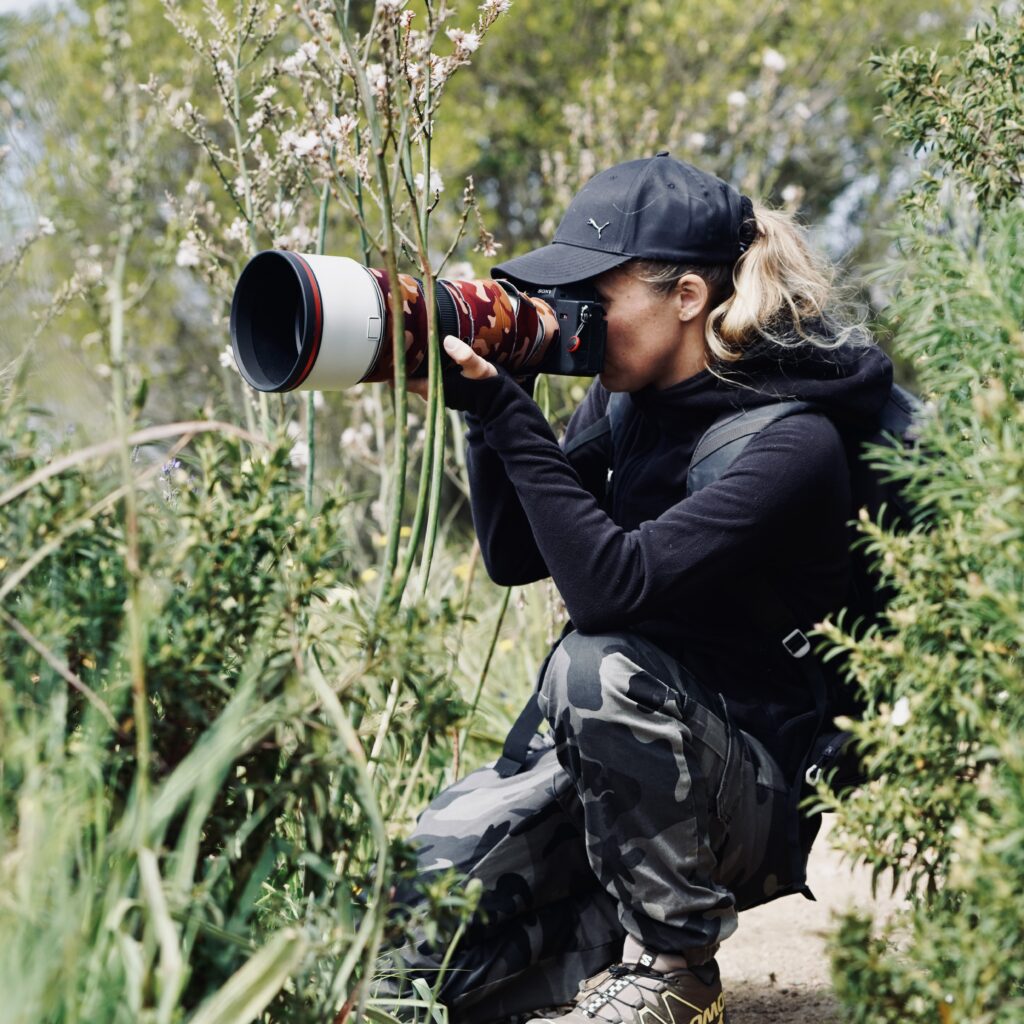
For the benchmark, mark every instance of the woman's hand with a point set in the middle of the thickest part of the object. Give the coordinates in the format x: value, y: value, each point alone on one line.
x: 474, y: 367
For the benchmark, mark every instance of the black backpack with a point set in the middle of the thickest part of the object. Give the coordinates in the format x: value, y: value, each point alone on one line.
x: 873, y: 491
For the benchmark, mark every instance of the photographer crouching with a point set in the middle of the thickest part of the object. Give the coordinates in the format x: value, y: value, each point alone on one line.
x: 616, y: 849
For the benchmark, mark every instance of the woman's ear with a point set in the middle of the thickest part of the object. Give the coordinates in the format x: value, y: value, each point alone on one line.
x: 691, y: 296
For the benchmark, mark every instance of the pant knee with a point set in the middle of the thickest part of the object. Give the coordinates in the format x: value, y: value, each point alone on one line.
x: 582, y: 673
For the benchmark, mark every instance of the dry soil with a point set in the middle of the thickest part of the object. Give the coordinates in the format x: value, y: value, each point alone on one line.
x: 775, y: 968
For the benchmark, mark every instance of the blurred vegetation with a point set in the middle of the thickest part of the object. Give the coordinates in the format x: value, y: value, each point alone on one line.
x: 944, y: 813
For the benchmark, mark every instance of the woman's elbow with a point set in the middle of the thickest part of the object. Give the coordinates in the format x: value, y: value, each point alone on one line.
x: 511, y: 571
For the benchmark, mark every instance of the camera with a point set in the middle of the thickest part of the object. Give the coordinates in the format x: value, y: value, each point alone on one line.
x: 324, y: 322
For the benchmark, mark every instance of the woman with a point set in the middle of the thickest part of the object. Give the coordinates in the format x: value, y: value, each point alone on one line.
x: 661, y: 800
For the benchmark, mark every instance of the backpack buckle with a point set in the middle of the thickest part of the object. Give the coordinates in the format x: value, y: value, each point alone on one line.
x: 797, y: 645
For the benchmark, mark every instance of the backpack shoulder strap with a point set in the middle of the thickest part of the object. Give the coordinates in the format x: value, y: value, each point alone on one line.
x: 728, y: 436
x: 613, y: 421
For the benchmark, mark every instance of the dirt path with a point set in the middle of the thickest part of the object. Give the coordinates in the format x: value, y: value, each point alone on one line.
x: 775, y: 969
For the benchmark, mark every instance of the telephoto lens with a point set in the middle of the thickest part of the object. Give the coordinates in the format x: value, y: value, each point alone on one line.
x: 324, y: 323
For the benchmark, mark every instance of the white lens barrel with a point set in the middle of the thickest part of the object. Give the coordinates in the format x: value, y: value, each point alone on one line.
x: 305, y: 322
x: 353, y: 323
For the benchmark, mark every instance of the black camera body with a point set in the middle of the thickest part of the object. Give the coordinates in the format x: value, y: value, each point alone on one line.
x: 582, y: 331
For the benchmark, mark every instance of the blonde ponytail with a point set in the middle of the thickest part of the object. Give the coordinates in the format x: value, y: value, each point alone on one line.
x: 779, y: 290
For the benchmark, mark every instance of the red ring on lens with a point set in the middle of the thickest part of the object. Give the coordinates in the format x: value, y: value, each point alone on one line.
x: 318, y: 321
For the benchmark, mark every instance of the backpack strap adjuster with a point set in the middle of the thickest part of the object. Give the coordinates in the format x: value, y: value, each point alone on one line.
x: 797, y: 645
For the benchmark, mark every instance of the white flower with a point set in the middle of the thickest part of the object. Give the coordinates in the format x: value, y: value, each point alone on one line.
x: 226, y: 72
x: 226, y: 358
x: 299, y: 455
x: 299, y: 239
x: 301, y: 146
x: 377, y: 76
x: 390, y: 6
x: 303, y: 55
x: 338, y: 128
x: 696, y: 140
x: 194, y: 188
x: 46, y: 226
x: 495, y: 7
x: 256, y: 121
x: 436, y: 184
x: 737, y: 99
x: 792, y: 194
x: 188, y: 252
x: 465, y: 42
x: 349, y: 437
x: 900, y: 712
x: 238, y: 232
x: 772, y: 60
x: 266, y: 94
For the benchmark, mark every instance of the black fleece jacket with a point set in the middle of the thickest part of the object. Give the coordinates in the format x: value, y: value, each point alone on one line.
x: 629, y: 551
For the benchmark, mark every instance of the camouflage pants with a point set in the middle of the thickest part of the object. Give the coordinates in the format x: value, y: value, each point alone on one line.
x: 643, y: 811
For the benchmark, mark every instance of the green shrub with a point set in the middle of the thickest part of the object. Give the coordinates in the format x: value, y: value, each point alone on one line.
x: 944, y: 812
x: 252, y: 849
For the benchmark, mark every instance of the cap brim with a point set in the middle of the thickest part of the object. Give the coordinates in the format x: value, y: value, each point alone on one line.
x: 558, y: 263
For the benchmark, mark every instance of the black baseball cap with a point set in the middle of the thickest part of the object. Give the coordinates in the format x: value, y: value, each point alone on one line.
x: 657, y: 208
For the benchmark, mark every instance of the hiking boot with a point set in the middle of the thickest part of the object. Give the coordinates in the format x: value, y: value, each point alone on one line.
x: 636, y: 994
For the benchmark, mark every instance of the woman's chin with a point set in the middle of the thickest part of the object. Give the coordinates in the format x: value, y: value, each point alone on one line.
x: 610, y: 381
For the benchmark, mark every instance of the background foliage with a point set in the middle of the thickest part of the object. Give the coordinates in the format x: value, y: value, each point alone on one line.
x: 233, y: 665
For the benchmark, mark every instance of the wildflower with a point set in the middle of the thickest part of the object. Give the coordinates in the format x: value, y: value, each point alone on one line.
x: 226, y: 73
x: 46, y: 226
x: 465, y: 42
x: 226, y: 358
x: 390, y: 6
x: 772, y: 60
x: 900, y: 712
x: 377, y: 76
x: 492, y: 8
x: 194, y: 189
x: 436, y: 184
x: 299, y: 239
x: 737, y: 99
x: 336, y: 129
x: 188, y: 252
x: 303, y: 55
x: 301, y: 146
x: 239, y: 230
